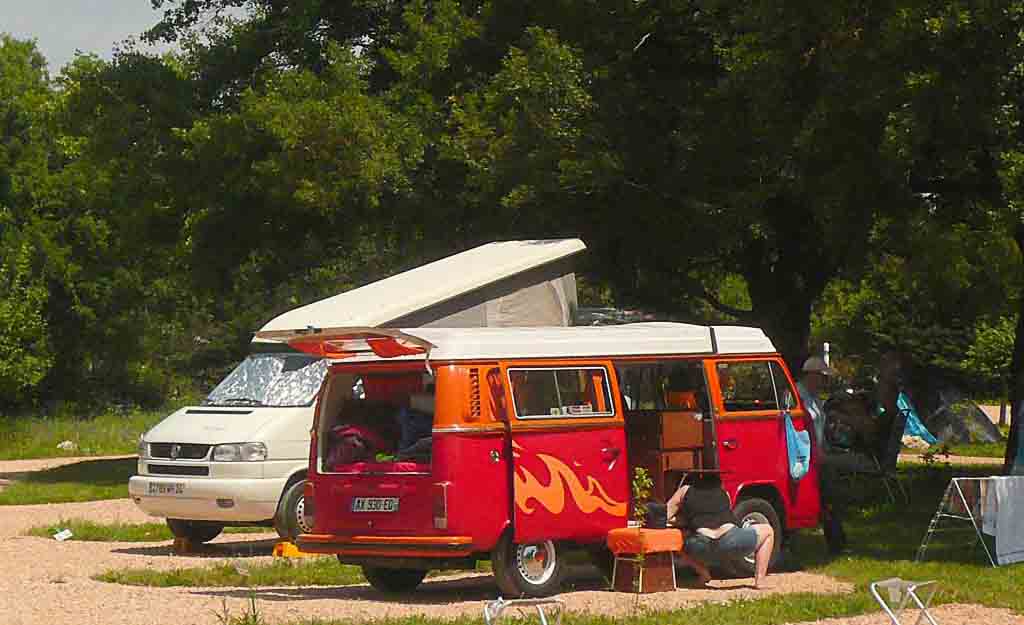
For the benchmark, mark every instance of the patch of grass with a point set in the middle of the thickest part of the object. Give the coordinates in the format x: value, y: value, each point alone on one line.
x: 90, y: 531
x: 282, y: 572
x: 109, y: 434
x: 89, y: 480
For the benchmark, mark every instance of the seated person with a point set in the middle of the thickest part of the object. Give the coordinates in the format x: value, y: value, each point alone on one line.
x: 713, y: 533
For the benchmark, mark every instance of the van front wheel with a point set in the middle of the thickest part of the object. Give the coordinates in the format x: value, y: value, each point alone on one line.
x: 393, y: 580
x: 291, y: 518
x: 194, y: 531
x: 528, y: 569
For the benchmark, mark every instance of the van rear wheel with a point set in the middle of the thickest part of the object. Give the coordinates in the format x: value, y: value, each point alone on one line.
x: 393, y: 580
x: 195, y: 531
x: 527, y: 569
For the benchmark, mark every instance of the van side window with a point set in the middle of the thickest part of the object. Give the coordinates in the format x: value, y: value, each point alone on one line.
x: 565, y: 392
x: 663, y: 386
x: 746, y: 386
x: 785, y: 392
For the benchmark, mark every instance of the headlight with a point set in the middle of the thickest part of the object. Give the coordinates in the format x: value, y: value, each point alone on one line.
x: 240, y: 452
x: 143, y: 448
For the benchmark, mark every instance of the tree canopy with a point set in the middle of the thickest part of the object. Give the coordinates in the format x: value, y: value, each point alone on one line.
x: 844, y: 171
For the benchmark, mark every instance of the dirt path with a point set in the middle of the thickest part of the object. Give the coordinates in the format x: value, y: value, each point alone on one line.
x: 971, y: 460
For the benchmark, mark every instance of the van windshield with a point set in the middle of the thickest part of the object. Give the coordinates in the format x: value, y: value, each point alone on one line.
x: 271, y: 380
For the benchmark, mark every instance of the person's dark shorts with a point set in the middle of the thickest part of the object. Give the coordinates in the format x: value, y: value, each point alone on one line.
x: 738, y: 542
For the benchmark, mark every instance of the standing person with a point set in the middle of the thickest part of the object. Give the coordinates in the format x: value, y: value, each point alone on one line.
x: 815, y: 372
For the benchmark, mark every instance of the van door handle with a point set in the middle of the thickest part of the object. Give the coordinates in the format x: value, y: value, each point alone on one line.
x: 609, y: 454
x: 730, y: 443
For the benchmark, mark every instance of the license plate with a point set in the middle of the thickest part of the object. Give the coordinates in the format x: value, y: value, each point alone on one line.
x: 375, y: 504
x: 165, y: 488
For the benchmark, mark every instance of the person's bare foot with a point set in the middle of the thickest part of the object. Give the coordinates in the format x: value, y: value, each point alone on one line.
x: 703, y: 577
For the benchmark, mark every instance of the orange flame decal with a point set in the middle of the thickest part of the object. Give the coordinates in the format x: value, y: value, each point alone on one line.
x: 552, y: 495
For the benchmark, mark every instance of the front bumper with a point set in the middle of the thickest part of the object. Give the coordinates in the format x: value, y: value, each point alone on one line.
x: 206, y: 499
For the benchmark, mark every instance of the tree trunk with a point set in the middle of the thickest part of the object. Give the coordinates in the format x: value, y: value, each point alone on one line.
x: 1016, y: 374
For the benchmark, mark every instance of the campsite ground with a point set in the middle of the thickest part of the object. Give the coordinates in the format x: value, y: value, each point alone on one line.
x: 59, y: 576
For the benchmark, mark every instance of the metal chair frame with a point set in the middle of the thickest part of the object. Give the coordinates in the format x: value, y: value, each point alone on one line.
x: 495, y: 609
x: 901, y: 593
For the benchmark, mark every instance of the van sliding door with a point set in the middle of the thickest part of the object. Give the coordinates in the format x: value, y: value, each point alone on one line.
x: 570, y: 476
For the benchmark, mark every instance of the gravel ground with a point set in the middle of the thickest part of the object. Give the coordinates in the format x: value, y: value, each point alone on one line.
x: 48, y: 583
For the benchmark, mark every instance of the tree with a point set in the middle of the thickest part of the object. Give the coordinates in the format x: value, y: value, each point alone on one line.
x: 25, y: 152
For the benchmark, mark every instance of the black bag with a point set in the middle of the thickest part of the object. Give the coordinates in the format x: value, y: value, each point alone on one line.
x: 656, y: 516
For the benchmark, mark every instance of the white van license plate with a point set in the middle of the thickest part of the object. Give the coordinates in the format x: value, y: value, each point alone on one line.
x: 165, y: 488
x: 375, y: 504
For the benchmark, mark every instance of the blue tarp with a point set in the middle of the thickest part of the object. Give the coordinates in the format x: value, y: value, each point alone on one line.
x: 914, y: 426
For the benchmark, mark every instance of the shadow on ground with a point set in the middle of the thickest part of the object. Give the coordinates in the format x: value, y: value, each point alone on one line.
x: 234, y: 549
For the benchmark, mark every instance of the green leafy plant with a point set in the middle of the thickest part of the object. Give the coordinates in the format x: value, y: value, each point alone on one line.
x: 641, y: 485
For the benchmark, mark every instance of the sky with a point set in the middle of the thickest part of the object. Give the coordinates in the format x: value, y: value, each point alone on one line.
x: 62, y: 26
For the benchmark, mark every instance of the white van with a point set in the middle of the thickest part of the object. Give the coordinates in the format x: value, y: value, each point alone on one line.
x: 240, y: 458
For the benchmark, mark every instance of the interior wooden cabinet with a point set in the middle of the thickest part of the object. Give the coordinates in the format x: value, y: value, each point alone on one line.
x: 666, y: 443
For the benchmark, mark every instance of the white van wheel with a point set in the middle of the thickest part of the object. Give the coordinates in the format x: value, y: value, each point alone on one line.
x: 291, y: 518
x: 528, y: 569
x: 194, y: 531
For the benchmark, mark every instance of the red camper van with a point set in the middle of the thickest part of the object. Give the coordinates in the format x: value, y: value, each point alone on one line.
x: 433, y: 448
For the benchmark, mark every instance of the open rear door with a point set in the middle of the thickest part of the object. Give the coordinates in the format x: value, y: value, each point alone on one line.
x: 337, y: 343
x: 569, y: 452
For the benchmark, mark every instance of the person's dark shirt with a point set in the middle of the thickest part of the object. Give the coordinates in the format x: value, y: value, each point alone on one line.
x: 707, y: 505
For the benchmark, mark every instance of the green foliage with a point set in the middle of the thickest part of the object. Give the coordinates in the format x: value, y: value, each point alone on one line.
x: 89, y: 480
x: 25, y: 355
x: 641, y: 486
x: 324, y: 571
x: 90, y: 531
x: 108, y: 434
x: 989, y: 355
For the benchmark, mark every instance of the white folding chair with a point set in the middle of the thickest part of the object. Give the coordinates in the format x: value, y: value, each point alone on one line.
x: 901, y: 593
x: 494, y: 609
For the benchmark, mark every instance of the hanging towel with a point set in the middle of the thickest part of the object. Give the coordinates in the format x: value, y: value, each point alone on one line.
x: 1010, y: 519
x: 798, y: 447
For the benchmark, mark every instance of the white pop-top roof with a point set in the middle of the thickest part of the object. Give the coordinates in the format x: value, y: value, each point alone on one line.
x: 442, y: 344
x: 408, y: 292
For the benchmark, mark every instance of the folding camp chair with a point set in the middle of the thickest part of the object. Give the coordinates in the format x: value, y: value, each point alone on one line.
x: 900, y: 593
x: 495, y: 609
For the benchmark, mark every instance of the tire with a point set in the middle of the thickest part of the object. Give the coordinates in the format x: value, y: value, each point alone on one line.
x: 748, y: 512
x: 195, y: 531
x: 530, y: 570
x: 291, y: 518
x: 393, y: 580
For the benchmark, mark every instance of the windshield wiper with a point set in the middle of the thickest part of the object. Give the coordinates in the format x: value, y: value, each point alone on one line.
x: 239, y: 401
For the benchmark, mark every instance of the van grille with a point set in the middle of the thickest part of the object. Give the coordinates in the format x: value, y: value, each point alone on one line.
x: 474, y: 393
x: 184, y: 451
x: 170, y: 469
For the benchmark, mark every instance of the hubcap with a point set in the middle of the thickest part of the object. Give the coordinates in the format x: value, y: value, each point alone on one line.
x: 754, y: 518
x: 304, y: 522
x: 536, y: 562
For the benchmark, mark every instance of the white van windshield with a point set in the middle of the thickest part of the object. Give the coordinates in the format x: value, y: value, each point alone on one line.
x: 271, y: 380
